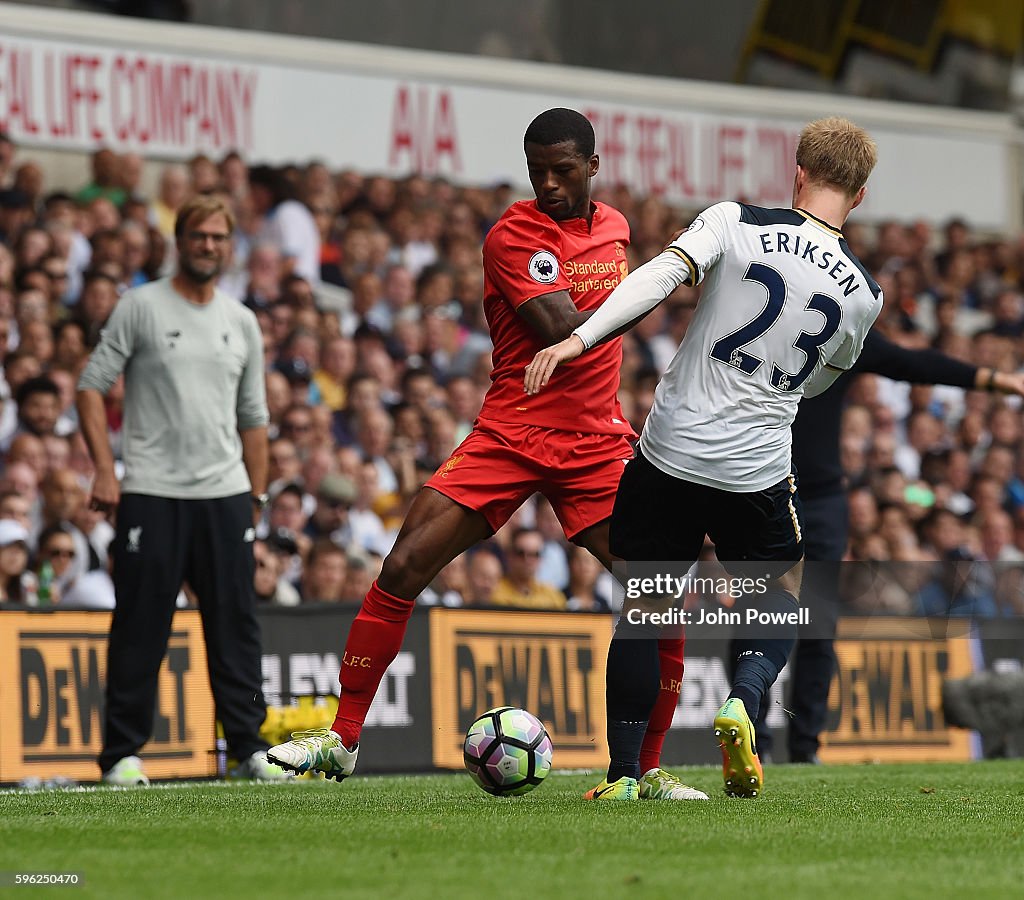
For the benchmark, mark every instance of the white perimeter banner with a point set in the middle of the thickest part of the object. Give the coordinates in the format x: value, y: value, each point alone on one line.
x: 74, y: 94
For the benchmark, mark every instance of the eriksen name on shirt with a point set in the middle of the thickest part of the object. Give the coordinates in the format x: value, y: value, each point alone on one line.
x: 813, y: 254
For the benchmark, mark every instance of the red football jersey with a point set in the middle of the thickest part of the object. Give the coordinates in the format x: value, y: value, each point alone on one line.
x: 528, y: 254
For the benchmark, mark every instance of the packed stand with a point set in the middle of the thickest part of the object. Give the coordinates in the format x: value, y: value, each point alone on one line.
x: 368, y: 292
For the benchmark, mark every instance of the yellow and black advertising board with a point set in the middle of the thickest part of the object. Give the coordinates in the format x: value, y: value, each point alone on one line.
x: 52, y: 676
x: 885, y: 704
x: 549, y: 663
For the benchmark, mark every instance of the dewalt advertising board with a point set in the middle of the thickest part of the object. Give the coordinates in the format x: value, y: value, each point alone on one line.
x: 52, y: 676
x: 885, y: 704
x: 549, y: 663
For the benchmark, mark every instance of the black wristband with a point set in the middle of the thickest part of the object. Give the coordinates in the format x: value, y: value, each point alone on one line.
x: 991, y: 385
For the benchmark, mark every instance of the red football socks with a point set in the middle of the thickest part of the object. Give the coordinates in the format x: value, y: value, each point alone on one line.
x: 373, y: 643
x: 670, y: 655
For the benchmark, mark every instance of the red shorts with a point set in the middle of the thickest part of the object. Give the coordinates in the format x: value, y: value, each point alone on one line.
x: 498, y: 467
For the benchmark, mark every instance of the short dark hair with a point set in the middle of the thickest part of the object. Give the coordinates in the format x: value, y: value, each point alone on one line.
x: 271, y: 178
x: 553, y: 126
x: 523, y: 529
x: 91, y: 275
x: 282, y: 540
x: 290, y: 488
x: 48, y: 532
x: 65, y: 324
x: 409, y: 375
x: 41, y: 384
x: 324, y: 547
x: 55, y: 197
x: 21, y: 279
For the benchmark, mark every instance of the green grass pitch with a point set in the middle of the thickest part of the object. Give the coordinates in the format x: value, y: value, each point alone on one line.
x: 880, y: 832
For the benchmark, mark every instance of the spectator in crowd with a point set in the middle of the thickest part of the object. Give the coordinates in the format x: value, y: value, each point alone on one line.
x: 365, y: 515
x: 298, y: 375
x: 172, y: 192
x: 519, y: 586
x: 288, y: 511
x: 297, y: 422
x: 361, y: 571
x: 585, y: 590
x: 268, y: 581
x: 264, y: 271
x: 28, y: 449
x: 15, y: 213
x: 204, y: 175
x: 334, y: 497
x: 69, y: 347
x: 100, y: 291
x: 20, y: 478
x: 56, y: 550
x: 63, y: 500
x: 484, y: 571
x: 323, y: 579
x: 7, y: 152
x: 29, y: 178
x: 554, y: 558
x: 234, y: 175
x: 374, y: 431
x: 91, y: 590
x: 38, y: 407
x: 16, y: 507
x: 284, y: 466
x: 106, y: 179
x: 450, y: 587
x: 287, y: 222
x: 16, y: 583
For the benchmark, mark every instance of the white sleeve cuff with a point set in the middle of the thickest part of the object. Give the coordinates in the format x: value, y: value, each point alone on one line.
x: 585, y: 335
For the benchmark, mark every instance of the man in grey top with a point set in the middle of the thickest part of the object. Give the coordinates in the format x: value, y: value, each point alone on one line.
x: 195, y: 457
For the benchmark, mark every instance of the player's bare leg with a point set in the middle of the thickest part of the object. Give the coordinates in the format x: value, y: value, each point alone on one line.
x: 436, y: 530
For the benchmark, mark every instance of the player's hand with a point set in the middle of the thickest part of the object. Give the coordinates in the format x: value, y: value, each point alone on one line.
x: 1010, y: 383
x: 106, y: 491
x: 539, y: 372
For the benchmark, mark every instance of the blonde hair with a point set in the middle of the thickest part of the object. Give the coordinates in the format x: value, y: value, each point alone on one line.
x: 837, y: 153
x: 199, y: 209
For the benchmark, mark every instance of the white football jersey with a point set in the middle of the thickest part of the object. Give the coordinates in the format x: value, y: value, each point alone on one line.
x: 783, y: 298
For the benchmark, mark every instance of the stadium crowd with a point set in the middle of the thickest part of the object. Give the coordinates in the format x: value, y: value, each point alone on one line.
x: 368, y: 293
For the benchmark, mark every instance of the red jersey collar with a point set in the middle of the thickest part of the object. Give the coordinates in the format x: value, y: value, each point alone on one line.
x: 577, y: 223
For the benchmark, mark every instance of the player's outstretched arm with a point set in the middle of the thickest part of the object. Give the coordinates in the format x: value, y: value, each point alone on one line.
x: 538, y: 372
x: 1000, y: 382
x: 884, y: 357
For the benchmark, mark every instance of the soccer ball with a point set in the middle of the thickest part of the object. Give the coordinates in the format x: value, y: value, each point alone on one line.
x: 507, y: 751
